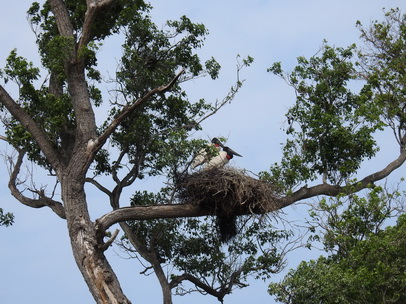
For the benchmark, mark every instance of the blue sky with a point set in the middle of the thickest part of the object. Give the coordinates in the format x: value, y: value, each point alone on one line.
x: 36, y: 262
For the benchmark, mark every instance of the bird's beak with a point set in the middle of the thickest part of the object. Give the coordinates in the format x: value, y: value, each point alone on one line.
x: 234, y: 153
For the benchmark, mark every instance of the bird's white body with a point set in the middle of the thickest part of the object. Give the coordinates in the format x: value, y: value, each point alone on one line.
x: 212, y: 160
x: 218, y: 161
x: 203, y: 156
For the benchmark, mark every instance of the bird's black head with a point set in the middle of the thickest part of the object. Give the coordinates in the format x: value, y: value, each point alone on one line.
x: 216, y: 141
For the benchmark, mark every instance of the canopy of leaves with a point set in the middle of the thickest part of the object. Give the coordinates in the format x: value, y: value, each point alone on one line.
x: 155, y: 136
x: 151, y: 58
x: 335, y: 125
x: 373, y: 271
x: 345, y: 222
x: 331, y: 125
x: 383, y: 60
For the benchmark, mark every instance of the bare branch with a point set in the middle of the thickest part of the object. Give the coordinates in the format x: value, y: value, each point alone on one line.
x: 334, y: 190
x: 127, y: 110
x: 42, y: 201
x: 117, y: 164
x: 98, y: 185
x: 220, y: 104
x: 179, y: 279
x: 149, y: 212
x: 197, y: 282
x: 144, y: 272
x: 141, y: 249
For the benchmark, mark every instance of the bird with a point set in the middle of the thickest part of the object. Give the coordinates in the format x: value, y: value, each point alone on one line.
x: 222, y: 158
x: 203, y: 155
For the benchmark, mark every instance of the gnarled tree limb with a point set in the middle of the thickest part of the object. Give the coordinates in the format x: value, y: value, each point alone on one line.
x: 148, y: 212
x: 107, y: 244
x: 333, y: 190
x: 42, y: 201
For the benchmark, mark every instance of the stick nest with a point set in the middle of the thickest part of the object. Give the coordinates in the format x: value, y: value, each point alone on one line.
x: 228, y: 192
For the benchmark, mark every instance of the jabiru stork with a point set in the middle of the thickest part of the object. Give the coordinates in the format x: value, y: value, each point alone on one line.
x: 202, y: 156
x: 222, y: 159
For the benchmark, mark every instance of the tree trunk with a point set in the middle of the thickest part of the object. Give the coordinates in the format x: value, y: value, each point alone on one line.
x: 166, y: 289
x: 89, y: 255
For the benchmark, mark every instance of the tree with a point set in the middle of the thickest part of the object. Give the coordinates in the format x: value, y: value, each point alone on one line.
x: 365, y: 262
x: 53, y: 125
x: 147, y: 134
x: 331, y: 128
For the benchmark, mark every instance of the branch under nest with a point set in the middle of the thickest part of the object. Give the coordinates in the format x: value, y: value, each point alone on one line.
x: 228, y: 192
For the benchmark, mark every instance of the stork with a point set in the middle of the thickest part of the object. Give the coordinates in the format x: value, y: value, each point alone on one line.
x: 222, y: 159
x: 203, y: 155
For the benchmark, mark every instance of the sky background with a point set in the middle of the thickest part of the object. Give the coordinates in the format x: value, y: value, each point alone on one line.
x: 36, y: 262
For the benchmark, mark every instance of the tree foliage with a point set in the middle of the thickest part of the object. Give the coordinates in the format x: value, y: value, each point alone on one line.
x: 6, y: 219
x: 331, y: 127
x: 151, y: 57
x: 365, y: 262
x: 332, y: 131
x: 334, y: 134
x: 383, y: 64
x: 344, y: 224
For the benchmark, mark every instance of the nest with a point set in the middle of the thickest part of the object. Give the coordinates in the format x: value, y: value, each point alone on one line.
x: 228, y: 193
